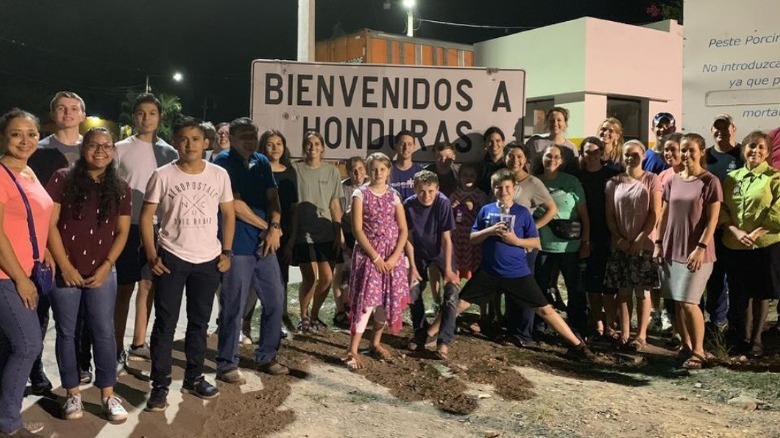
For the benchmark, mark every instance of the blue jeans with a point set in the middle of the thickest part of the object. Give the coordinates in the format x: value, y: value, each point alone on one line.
x: 263, y: 276
x: 520, y: 319
x: 96, y: 306
x: 577, y: 302
x: 201, y: 281
x: 717, y: 304
x: 417, y: 306
x: 20, y: 344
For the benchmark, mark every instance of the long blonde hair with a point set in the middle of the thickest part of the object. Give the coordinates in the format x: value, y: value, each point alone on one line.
x: 614, y: 154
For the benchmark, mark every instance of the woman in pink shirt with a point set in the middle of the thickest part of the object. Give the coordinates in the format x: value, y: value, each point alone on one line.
x: 19, y: 327
x: 633, y: 204
x: 691, y: 204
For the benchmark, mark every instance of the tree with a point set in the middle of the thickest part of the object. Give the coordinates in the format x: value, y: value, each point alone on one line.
x: 171, y: 109
x: 667, y: 10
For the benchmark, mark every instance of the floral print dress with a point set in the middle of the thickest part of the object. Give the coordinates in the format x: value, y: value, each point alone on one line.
x: 369, y: 287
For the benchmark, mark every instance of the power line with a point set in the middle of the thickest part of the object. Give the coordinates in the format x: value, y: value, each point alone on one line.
x: 477, y: 26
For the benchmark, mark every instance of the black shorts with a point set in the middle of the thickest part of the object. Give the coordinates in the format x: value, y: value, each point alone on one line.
x: 131, y: 265
x: 482, y: 287
x: 316, y: 252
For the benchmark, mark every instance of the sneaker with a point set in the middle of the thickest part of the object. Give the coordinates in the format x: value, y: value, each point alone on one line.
x: 234, y: 377
x: 581, y: 353
x: 121, y: 364
x: 273, y: 368
x: 200, y: 388
x: 112, y: 407
x: 666, y: 323
x: 33, y: 427
x: 85, y: 376
x: 285, y: 332
x: 421, y: 342
x: 244, y: 339
x: 40, y: 384
x: 29, y: 430
x: 656, y: 322
x: 139, y: 353
x: 73, y: 409
x: 158, y: 399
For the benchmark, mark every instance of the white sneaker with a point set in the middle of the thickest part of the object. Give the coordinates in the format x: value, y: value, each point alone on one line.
x: 73, y: 409
x: 112, y: 407
x: 121, y: 364
x: 666, y: 323
x: 244, y: 340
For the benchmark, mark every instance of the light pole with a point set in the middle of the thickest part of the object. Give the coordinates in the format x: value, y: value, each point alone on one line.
x: 177, y: 76
x: 409, y: 5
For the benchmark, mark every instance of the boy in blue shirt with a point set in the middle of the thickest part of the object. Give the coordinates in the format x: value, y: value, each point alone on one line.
x: 506, y: 230
x: 430, y: 218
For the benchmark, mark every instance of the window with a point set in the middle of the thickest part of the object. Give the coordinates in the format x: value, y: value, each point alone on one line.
x: 629, y: 112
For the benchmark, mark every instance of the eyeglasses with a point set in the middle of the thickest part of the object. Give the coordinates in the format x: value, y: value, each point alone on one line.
x: 223, y: 134
x: 105, y: 147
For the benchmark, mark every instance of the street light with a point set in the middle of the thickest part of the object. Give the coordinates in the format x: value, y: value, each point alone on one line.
x: 177, y: 76
x: 409, y: 5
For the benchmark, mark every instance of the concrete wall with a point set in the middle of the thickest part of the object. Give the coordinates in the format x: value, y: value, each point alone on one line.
x: 581, y: 62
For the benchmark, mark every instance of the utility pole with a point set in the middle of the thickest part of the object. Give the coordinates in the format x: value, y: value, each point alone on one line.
x: 306, y: 30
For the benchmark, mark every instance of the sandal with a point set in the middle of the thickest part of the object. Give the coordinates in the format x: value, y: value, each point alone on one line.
x: 318, y: 325
x: 637, y: 344
x: 380, y: 353
x: 304, y: 325
x: 694, y: 362
x: 352, y: 362
x: 442, y: 354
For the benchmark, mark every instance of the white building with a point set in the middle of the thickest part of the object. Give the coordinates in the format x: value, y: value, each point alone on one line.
x: 595, y: 68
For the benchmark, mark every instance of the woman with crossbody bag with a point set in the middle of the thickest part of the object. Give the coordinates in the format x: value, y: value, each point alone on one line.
x: 25, y: 209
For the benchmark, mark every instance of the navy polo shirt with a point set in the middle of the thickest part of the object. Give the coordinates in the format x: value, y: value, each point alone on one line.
x: 250, y: 181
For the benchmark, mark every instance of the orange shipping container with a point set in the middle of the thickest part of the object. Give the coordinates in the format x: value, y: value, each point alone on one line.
x: 372, y: 47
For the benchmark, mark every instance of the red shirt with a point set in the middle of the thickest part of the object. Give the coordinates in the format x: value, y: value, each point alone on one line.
x: 87, y: 241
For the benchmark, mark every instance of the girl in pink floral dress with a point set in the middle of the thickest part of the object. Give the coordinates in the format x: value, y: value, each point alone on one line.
x: 379, y: 283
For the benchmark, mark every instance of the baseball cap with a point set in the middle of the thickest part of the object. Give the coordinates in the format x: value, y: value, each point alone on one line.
x: 723, y: 117
x: 661, y: 116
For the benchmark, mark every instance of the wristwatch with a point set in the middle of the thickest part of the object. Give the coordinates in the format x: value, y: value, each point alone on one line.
x: 227, y: 253
x: 276, y: 225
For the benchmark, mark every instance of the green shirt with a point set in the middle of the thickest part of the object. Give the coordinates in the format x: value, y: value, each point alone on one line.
x: 567, y: 192
x: 751, y: 200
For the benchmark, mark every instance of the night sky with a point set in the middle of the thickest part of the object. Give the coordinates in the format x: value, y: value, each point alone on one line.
x: 104, y: 49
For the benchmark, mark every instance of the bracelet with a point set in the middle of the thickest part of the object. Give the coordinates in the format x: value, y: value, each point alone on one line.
x: 375, y: 258
x: 110, y: 262
x: 701, y: 245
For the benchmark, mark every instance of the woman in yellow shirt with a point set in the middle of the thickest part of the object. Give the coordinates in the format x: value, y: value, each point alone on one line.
x: 750, y: 217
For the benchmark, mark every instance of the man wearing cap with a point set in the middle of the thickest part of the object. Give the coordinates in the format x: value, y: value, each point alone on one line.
x: 722, y: 157
x: 663, y: 124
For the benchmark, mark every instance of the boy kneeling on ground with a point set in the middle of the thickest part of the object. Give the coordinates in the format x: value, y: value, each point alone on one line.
x: 506, y: 230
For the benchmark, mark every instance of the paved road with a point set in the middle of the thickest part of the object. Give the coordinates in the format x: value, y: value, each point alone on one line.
x: 184, y: 417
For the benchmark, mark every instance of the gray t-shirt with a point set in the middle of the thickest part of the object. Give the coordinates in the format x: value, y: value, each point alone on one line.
x: 71, y: 152
x: 316, y: 188
x: 531, y: 193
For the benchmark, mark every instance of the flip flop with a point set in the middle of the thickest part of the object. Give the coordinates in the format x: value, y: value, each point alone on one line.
x: 352, y: 362
x: 637, y: 344
x: 441, y: 355
x: 380, y: 353
x: 694, y: 362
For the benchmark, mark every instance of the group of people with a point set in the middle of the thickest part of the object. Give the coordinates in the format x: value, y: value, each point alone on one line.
x: 225, y: 212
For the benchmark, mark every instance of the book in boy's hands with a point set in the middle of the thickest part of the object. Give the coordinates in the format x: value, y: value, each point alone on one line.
x: 507, y: 218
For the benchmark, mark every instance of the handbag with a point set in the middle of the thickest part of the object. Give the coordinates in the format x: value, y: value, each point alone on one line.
x: 42, y: 275
x: 566, y: 229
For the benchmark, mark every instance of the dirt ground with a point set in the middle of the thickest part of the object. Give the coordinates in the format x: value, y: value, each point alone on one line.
x: 488, y: 390
x: 483, y: 390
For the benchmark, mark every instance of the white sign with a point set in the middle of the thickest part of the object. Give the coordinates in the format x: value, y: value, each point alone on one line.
x: 359, y: 108
x: 731, y: 64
